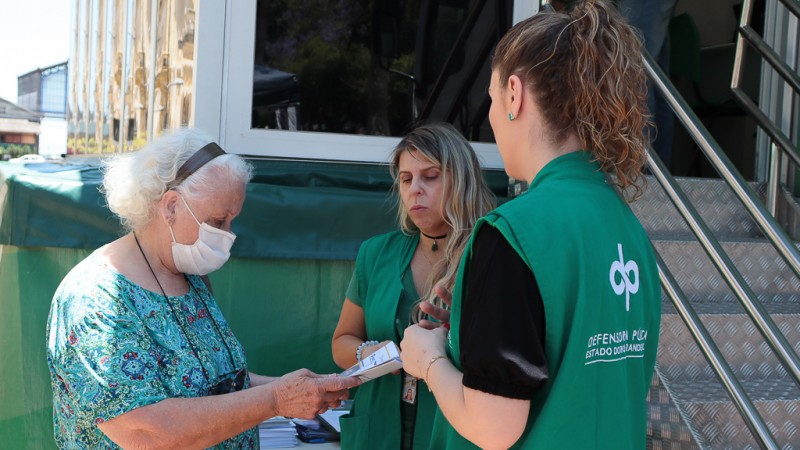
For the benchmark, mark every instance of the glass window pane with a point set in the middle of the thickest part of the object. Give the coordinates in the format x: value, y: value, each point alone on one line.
x: 375, y: 67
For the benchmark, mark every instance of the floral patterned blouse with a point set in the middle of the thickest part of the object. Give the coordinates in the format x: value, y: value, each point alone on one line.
x: 114, y: 346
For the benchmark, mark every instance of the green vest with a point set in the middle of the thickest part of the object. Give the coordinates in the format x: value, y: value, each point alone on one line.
x: 599, y: 282
x: 375, y: 422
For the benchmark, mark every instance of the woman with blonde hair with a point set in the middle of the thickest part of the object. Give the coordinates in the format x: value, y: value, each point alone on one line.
x: 555, y: 312
x: 442, y: 193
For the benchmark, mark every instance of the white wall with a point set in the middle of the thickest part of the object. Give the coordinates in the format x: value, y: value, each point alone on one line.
x: 53, y: 137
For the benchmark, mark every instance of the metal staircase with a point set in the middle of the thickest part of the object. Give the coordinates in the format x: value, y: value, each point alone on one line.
x: 688, y: 407
x: 728, y: 371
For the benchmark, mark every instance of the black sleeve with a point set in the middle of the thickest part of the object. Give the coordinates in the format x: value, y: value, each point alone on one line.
x: 502, y: 321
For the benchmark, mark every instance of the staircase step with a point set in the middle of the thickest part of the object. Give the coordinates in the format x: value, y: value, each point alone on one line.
x: 666, y: 429
x: 701, y: 398
x: 687, y: 405
x: 788, y: 213
x: 720, y: 209
x: 758, y: 262
x: 743, y: 347
x: 727, y: 303
x: 720, y: 426
x: 709, y: 391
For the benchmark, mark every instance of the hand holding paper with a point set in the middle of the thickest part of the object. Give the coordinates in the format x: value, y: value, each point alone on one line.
x: 303, y: 393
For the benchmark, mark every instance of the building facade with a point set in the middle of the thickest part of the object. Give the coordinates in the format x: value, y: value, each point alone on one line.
x: 314, y: 79
x: 19, y: 130
x: 44, y: 91
x: 131, y: 72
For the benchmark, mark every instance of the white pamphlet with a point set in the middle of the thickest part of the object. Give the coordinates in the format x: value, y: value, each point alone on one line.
x: 385, y: 360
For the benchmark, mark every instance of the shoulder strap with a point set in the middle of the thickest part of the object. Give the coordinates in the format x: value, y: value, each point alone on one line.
x: 208, y: 283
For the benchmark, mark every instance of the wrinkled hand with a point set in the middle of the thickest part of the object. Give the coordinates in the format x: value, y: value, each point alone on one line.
x: 303, y: 393
x: 419, y: 345
x: 440, y: 314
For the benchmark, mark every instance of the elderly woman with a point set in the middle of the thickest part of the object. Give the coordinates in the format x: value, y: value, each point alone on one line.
x: 556, y: 307
x: 139, y: 353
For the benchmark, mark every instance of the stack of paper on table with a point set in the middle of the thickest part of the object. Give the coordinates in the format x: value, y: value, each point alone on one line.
x: 277, y: 432
x: 385, y: 360
x: 313, y: 431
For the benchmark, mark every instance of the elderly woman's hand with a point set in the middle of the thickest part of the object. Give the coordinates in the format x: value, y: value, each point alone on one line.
x: 303, y: 393
x: 419, y: 347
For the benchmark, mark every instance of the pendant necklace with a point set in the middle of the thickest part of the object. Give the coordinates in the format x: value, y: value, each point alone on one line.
x: 175, y: 316
x: 435, y: 246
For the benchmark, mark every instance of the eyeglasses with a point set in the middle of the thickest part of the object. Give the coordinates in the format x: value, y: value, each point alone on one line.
x: 231, y: 382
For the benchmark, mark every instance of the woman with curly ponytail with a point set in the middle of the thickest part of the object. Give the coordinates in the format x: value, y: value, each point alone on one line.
x: 553, y: 327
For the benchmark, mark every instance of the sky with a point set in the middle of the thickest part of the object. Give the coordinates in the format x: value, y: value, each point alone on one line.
x: 33, y: 34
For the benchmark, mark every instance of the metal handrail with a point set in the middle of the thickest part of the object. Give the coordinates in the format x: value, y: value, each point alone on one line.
x: 748, y: 411
x: 793, y: 6
x: 766, y: 326
x: 784, y: 145
x: 769, y: 226
x: 750, y: 415
x: 749, y: 34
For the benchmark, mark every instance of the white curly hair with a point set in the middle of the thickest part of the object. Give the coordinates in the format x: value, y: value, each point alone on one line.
x: 133, y: 183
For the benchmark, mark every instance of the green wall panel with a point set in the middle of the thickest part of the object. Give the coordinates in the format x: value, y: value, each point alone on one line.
x: 28, y: 279
x: 283, y: 312
x: 299, y: 231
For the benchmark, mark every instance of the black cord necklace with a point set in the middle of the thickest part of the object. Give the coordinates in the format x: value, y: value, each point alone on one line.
x: 175, y: 316
x: 435, y: 246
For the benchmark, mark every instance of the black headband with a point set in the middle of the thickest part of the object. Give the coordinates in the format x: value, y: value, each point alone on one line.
x: 195, y: 162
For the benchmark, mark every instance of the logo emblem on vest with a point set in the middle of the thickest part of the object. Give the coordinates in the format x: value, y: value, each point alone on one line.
x: 626, y: 271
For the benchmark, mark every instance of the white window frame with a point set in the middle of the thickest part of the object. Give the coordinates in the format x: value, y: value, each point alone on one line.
x: 223, y: 94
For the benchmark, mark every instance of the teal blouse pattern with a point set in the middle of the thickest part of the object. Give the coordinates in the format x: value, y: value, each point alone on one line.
x: 113, y: 346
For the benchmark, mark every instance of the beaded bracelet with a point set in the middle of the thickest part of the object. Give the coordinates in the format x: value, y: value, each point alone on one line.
x: 362, y: 346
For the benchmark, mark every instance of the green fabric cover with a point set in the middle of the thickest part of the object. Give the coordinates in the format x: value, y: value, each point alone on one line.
x: 282, y: 311
x: 293, y: 209
x: 281, y: 293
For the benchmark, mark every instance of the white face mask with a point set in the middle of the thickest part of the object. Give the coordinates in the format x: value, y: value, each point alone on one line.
x: 208, y: 253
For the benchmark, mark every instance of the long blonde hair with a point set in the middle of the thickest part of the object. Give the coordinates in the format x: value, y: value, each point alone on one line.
x: 467, y: 197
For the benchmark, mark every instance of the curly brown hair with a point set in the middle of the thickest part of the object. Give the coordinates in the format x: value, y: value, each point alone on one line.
x: 586, y: 73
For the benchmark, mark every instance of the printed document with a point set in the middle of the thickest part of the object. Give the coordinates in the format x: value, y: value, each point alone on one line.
x: 384, y: 360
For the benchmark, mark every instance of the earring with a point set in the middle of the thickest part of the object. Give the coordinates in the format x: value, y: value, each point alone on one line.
x: 510, y: 117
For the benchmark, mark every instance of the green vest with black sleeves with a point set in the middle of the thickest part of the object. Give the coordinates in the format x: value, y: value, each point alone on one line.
x: 374, y: 423
x: 599, y: 282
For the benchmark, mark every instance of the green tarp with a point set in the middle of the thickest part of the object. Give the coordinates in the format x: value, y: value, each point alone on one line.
x: 282, y: 311
x: 282, y: 291
x: 293, y: 209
